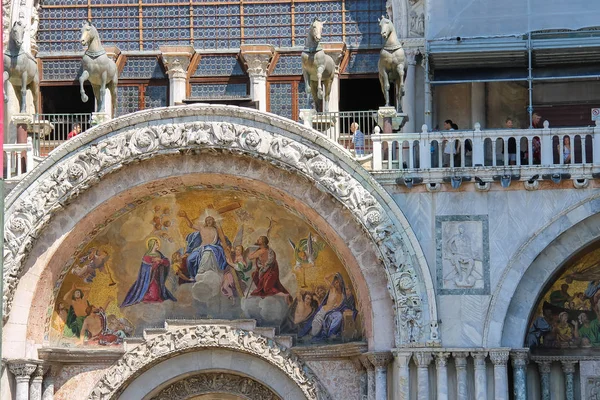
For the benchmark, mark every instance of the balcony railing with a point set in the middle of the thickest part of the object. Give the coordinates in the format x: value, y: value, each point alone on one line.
x: 51, y: 130
x: 19, y: 160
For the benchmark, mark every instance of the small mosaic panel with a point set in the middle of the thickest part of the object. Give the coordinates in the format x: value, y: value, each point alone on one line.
x: 60, y: 70
x: 281, y: 99
x: 217, y: 26
x: 218, y: 66
x: 165, y: 25
x: 270, y: 23
x: 288, y: 65
x: 155, y: 96
x: 142, y: 68
x: 59, y: 29
x: 118, y: 26
x: 362, y: 63
x: 219, y: 90
x: 128, y: 99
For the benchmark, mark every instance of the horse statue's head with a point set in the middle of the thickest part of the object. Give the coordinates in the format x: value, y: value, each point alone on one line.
x: 387, y: 27
x: 316, y: 30
x: 17, y: 33
x: 88, y: 33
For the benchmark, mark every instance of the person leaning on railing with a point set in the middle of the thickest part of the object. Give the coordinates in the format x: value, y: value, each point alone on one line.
x: 358, y: 139
x: 76, y: 131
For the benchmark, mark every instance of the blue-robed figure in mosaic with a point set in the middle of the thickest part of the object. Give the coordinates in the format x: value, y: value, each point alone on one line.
x: 204, y: 250
x: 328, y: 321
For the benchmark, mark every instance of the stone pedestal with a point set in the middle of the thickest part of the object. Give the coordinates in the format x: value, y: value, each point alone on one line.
x: 380, y: 361
x: 22, y: 122
x: 410, y: 89
x: 545, y: 368
x: 384, y: 118
x: 177, y: 60
x: 401, y: 379
x: 370, y: 376
x: 307, y: 115
x: 568, y: 368
x: 480, y: 374
x: 99, y: 118
x: 441, y: 367
x: 22, y: 371
x: 519, y: 364
x: 257, y: 59
x: 499, y: 358
x: 460, y: 361
x: 422, y: 359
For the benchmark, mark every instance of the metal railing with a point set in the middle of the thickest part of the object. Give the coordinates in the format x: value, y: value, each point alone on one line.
x: 51, y: 130
x: 19, y: 160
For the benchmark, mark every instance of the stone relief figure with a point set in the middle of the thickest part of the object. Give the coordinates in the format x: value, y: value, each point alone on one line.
x: 417, y: 23
x: 35, y: 22
x: 20, y: 68
x: 391, y: 63
x: 462, y: 257
x: 98, y: 68
x: 318, y: 67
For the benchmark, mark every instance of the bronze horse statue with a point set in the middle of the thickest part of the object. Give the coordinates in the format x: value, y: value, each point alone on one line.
x: 318, y: 67
x: 20, y: 68
x: 391, y: 63
x: 98, y: 68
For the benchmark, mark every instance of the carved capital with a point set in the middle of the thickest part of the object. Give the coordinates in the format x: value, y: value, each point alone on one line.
x: 112, y: 52
x: 364, y: 359
x: 386, y: 112
x: 257, y: 59
x: 22, y: 369
x: 39, y: 372
x: 402, y: 358
x: 411, y: 56
x: 544, y: 366
x: 380, y: 359
x: 479, y: 358
x: 568, y: 367
x: 441, y: 359
x: 499, y: 356
x: 422, y: 358
x: 460, y: 358
x: 176, y: 60
x: 519, y: 358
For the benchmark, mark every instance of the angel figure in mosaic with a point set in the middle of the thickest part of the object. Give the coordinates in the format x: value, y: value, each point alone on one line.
x: 235, y: 281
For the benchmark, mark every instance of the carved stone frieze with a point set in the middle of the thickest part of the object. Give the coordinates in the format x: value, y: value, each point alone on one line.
x: 187, y: 339
x: 216, y: 383
x: 122, y: 143
x: 21, y: 368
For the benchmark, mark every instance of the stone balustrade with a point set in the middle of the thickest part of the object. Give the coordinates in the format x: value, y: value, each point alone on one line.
x: 19, y: 159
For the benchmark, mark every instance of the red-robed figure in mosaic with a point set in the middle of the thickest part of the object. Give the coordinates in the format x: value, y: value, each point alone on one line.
x: 266, y: 276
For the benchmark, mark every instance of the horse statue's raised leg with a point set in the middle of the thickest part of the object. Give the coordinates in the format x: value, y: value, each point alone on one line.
x: 399, y: 87
x: 82, y: 78
x: 327, y: 95
x: 34, y: 86
x: 23, y: 104
x: 112, y: 86
x: 6, y: 76
x: 308, y: 87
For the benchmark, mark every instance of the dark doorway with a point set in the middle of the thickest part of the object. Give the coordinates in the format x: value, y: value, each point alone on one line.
x: 360, y: 94
x: 66, y: 100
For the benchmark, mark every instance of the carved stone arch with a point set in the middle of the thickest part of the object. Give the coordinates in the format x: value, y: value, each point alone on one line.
x: 533, y: 266
x: 190, y: 339
x: 84, y: 161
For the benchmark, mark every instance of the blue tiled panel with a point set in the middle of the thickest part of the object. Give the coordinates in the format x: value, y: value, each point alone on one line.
x: 362, y: 28
x: 128, y: 99
x: 329, y: 11
x: 155, y: 96
x: 219, y: 90
x: 362, y: 63
x: 303, y: 97
x: 61, y: 70
x: 268, y: 23
x: 288, y: 65
x: 217, y: 27
x: 218, y: 66
x: 118, y: 26
x: 165, y: 25
x: 142, y: 68
x: 60, y: 29
x: 280, y: 95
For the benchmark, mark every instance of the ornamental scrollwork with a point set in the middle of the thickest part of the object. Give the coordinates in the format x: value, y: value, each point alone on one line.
x: 187, y: 339
x: 60, y: 184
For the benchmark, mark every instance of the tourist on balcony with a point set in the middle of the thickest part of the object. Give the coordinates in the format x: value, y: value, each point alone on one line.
x: 358, y: 139
x: 452, y: 147
x: 76, y: 131
x: 512, y: 143
x: 566, y: 150
x: 536, y: 121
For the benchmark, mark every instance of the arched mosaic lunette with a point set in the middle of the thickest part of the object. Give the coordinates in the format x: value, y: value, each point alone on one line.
x: 196, y: 338
x: 83, y: 161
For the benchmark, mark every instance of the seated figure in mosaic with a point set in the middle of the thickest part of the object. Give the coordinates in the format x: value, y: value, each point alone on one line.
x: 391, y: 63
x: 20, y: 68
x: 328, y: 320
x: 98, y: 68
x: 318, y: 67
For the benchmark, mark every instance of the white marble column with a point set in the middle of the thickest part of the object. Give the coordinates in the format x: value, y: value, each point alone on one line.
x: 370, y: 376
x: 35, y: 387
x: 545, y: 368
x: 568, y: 368
x: 422, y: 359
x: 22, y: 370
x: 177, y: 60
x: 460, y: 362
x: 336, y: 51
x: 478, y: 104
x: 49, y: 381
x: 257, y: 59
x: 519, y: 363
x: 441, y: 368
x: 401, y: 379
x: 499, y: 358
x: 480, y: 374
x: 380, y: 360
x: 410, y: 89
